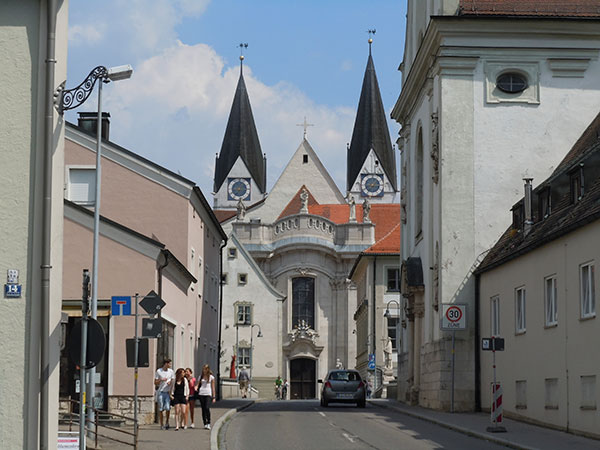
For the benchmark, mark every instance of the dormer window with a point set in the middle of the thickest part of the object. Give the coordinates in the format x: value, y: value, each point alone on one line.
x: 577, y: 184
x: 544, y: 203
x: 518, y: 216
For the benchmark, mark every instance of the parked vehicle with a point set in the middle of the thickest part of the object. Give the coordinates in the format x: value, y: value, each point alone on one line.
x: 344, y: 386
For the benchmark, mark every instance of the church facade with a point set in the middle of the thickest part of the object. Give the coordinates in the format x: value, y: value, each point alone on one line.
x: 288, y: 305
x: 492, y: 92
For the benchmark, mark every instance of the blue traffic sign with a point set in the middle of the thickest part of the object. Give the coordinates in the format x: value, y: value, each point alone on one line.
x: 371, y: 363
x: 121, y: 306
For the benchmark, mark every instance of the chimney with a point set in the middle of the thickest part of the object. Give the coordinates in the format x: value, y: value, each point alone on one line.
x: 89, y: 122
x: 527, y: 206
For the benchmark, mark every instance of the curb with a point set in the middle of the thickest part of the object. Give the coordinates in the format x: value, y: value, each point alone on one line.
x: 214, y: 433
x: 451, y: 426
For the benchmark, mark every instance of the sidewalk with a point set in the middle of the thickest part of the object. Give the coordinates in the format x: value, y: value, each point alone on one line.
x: 152, y: 437
x: 519, y: 435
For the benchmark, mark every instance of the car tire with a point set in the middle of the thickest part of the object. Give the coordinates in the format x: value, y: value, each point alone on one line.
x: 361, y: 404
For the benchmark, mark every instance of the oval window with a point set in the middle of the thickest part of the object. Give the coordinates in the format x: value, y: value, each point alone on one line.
x: 512, y: 83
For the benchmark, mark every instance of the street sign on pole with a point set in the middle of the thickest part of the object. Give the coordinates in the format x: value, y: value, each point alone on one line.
x: 152, y: 303
x: 454, y: 317
x: 371, y: 363
x: 120, y: 305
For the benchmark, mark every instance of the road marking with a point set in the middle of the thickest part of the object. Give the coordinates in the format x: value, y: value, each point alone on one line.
x: 349, y: 437
x: 322, y: 413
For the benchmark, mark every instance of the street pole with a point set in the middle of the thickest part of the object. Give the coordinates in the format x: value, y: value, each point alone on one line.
x: 94, y: 306
x: 452, y: 392
x: 494, y: 387
x: 83, y: 358
x: 135, y: 383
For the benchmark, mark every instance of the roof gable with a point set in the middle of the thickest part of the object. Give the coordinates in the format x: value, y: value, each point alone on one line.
x: 530, y: 8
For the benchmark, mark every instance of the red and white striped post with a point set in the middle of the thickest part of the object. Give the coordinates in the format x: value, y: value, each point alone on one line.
x: 496, y: 413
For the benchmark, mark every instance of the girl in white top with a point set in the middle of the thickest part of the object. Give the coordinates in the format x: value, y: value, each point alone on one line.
x: 206, y: 393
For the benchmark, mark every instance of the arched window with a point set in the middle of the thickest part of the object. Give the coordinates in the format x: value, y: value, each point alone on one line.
x: 419, y: 185
x: 303, y: 301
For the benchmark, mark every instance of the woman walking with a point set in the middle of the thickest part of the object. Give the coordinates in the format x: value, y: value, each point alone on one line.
x: 180, y: 392
x: 192, y: 398
x: 206, y: 392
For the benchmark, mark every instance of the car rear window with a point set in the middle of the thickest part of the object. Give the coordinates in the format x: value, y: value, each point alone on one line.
x: 343, y: 375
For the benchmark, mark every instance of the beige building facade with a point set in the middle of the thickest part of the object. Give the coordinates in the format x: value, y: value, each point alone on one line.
x: 31, y: 33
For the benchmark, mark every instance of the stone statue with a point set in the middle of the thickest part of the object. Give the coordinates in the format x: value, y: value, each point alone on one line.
x: 338, y: 364
x: 387, y: 351
x: 352, y: 203
x: 304, y: 201
x: 366, y: 210
x: 241, y: 210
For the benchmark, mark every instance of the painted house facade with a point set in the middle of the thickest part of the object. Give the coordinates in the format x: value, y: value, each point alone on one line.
x: 538, y: 290
x: 177, y: 255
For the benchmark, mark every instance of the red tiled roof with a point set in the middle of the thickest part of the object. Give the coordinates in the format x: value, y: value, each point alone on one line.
x: 223, y: 214
x: 390, y: 243
x: 293, y: 207
x: 531, y: 8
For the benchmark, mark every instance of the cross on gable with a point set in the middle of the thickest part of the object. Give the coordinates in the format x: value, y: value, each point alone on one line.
x: 305, y: 124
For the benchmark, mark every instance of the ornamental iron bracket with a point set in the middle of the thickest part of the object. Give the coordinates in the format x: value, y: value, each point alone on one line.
x: 65, y: 99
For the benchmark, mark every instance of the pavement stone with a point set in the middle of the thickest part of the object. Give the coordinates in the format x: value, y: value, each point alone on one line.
x: 519, y: 435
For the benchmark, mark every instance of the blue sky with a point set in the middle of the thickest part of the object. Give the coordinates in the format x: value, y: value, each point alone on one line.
x: 305, y: 58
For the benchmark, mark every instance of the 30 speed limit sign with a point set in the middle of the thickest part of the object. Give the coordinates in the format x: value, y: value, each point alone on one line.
x: 454, y: 317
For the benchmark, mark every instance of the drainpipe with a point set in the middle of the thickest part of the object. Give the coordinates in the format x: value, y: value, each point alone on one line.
x: 374, y: 334
x: 477, y: 340
x: 47, y: 223
x: 223, y: 244
x: 159, y: 287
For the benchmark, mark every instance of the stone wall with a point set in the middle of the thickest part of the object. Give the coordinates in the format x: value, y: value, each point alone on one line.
x: 436, y: 375
x: 124, y: 405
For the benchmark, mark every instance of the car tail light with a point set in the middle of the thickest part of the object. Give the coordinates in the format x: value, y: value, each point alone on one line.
x: 328, y: 384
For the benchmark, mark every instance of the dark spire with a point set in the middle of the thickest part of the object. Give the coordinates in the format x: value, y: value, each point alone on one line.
x: 241, y: 139
x: 370, y: 130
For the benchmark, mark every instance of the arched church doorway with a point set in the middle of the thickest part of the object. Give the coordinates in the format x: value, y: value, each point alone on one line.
x: 303, y: 378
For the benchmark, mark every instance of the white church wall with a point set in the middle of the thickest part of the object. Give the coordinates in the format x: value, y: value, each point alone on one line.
x: 239, y: 170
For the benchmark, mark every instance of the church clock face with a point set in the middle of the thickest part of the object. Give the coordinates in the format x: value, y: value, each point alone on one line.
x: 238, y: 189
x: 371, y: 185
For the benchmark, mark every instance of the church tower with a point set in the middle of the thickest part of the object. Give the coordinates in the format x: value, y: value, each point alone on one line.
x: 371, y: 165
x: 241, y: 167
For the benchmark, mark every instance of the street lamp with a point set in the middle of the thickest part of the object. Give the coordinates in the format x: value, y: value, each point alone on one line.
x: 259, y: 335
x: 387, y: 315
x: 70, y: 99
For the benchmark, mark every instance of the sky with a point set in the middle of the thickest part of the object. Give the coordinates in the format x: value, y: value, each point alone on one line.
x: 304, y: 59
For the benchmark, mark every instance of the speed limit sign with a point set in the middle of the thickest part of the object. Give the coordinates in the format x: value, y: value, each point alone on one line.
x: 454, y: 317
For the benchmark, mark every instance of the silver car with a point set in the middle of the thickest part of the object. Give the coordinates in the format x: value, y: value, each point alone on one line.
x: 343, y: 386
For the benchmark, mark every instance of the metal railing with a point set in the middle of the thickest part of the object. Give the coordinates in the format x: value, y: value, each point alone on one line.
x: 97, y: 425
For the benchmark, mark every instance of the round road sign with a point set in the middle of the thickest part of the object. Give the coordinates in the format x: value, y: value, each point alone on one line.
x: 454, y: 314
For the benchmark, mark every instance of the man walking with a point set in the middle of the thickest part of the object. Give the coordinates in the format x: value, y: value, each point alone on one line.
x: 244, y: 380
x: 163, y: 379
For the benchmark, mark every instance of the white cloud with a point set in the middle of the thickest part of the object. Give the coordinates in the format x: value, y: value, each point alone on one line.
x: 174, y: 111
x: 346, y: 66
x: 86, y: 34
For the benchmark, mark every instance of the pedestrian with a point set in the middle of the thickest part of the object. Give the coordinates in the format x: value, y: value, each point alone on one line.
x: 244, y: 380
x: 369, y: 388
x: 284, y: 389
x: 189, y: 375
x: 162, y: 381
x: 206, y: 392
x: 278, y: 384
x: 180, y: 392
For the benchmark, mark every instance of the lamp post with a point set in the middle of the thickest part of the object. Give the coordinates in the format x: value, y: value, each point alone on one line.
x: 387, y: 315
x: 259, y: 335
x: 70, y: 99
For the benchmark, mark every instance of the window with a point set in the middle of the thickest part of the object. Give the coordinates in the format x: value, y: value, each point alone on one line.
x: 544, y: 203
x: 587, y: 290
x: 391, y: 329
x: 232, y: 252
x: 520, y: 310
x: 518, y: 216
x: 223, y: 278
x: 588, y: 392
x: 550, y: 302
x: 304, y: 159
x: 495, y: 316
x: 521, y: 394
x: 551, y: 391
x: 511, y: 82
x: 393, y: 279
x: 577, y: 184
x: 244, y: 355
x: 242, y: 278
x: 303, y: 301
x: 82, y: 186
x: 244, y: 314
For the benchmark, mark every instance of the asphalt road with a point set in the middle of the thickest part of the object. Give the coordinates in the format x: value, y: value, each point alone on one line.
x: 302, y: 424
